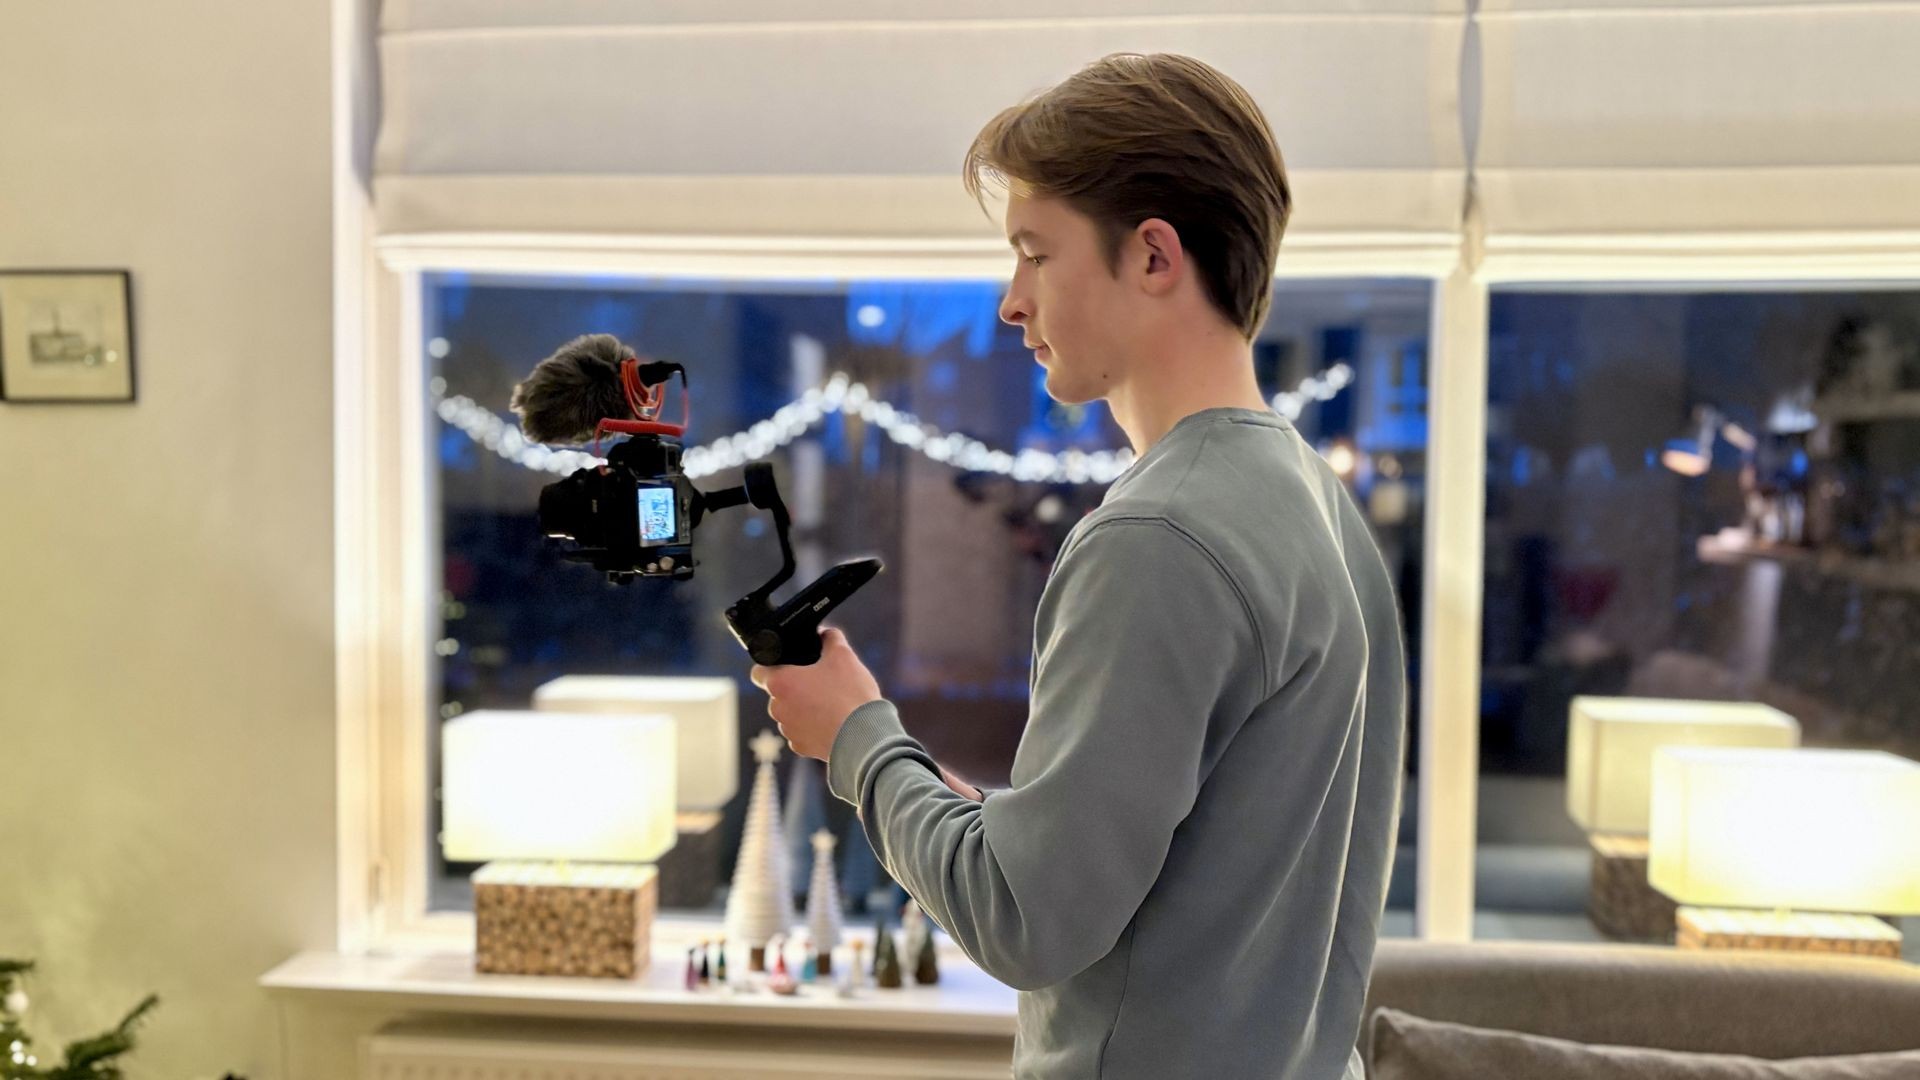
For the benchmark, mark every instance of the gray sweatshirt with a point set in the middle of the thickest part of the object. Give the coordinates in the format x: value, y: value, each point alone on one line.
x: 1187, y: 875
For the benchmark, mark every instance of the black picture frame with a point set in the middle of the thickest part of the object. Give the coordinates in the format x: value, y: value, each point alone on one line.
x: 18, y: 386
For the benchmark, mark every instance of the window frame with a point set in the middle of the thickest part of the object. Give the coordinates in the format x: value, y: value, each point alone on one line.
x: 386, y: 536
x: 386, y: 487
x: 1681, y: 263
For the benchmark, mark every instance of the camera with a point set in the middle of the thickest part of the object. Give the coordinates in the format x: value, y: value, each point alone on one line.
x: 634, y: 516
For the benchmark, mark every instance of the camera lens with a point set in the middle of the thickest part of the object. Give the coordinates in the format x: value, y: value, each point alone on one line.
x: 565, y: 507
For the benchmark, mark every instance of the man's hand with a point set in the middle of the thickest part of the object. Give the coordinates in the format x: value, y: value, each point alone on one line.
x: 811, y: 702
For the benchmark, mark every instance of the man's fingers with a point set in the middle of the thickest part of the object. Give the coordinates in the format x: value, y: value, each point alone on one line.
x: 831, y: 637
x: 759, y: 676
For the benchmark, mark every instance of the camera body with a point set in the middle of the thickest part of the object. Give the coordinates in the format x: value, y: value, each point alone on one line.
x: 632, y: 517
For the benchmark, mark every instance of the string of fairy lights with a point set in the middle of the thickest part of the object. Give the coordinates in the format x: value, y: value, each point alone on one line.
x: 847, y: 397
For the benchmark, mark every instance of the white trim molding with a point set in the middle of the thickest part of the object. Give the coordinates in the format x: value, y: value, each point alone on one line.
x: 1453, y: 582
x: 485, y: 1055
x: 358, y: 649
x: 1703, y: 259
x: 831, y: 257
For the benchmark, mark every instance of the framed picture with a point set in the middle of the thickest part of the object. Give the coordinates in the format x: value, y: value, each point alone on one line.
x: 66, y: 335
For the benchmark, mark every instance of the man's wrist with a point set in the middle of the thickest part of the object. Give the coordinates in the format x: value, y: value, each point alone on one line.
x: 860, y: 734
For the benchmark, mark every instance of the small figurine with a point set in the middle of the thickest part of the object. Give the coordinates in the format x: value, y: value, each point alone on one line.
x: 693, y: 971
x: 805, y: 966
x: 720, y: 963
x: 886, y: 957
x: 843, y: 972
x: 920, y: 951
x: 706, y: 963
x: 926, y: 966
x: 857, y: 968
x: 779, y: 980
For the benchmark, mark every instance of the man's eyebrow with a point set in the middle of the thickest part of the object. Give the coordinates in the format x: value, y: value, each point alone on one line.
x: 1020, y: 235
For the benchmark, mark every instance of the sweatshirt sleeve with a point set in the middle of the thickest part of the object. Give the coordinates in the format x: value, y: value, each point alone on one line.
x: 1147, y: 660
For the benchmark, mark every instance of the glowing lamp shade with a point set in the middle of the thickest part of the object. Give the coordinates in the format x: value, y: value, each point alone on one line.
x: 1814, y: 830
x: 1611, y: 745
x: 706, y: 716
x: 548, y: 785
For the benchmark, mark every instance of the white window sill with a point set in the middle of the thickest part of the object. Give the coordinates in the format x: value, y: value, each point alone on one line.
x: 966, y: 1001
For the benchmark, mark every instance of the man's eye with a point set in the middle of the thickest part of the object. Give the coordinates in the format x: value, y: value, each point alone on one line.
x: 1036, y: 259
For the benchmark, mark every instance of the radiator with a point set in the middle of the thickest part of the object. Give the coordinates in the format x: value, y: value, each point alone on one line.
x: 477, y: 1056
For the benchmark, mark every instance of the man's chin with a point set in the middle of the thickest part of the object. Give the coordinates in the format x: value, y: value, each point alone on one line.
x: 1065, y: 393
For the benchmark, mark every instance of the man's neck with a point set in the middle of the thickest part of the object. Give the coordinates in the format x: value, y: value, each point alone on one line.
x: 1165, y: 389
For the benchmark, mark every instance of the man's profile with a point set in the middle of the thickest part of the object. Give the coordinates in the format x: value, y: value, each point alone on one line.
x: 1187, y: 874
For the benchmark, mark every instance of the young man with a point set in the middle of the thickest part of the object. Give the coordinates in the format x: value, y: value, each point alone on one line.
x: 1187, y: 876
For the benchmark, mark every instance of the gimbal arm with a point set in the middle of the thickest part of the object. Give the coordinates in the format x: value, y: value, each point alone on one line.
x: 760, y: 490
x: 790, y: 634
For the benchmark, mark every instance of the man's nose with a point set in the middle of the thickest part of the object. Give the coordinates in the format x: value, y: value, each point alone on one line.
x: 1013, y: 309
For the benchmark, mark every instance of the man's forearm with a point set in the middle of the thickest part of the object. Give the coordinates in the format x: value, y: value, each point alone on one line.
x: 961, y: 787
x: 954, y: 784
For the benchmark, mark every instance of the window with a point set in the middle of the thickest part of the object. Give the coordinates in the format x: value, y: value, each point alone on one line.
x: 947, y: 628
x: 1698, y: 494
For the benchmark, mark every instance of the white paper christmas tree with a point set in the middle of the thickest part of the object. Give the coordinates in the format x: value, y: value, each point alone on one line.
x: 760, y: 904
x: 823, y: 899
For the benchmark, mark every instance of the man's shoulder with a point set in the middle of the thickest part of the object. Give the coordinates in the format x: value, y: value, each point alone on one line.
x: 1260, y: 515
x: 1123, y: 528
x: 1216, y: 467
x: 1173, y: 574
x: 1135, y: 541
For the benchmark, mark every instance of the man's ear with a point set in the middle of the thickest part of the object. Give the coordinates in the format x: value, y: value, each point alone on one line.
x: 1155, y: 241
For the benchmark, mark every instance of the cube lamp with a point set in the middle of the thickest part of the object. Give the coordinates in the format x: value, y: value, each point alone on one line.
x: 1787, y: 849
x: 572, y: 809
x: 1611, y: 745
x: 705, y: 713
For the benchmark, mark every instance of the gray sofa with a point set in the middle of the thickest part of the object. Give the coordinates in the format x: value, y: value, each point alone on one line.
x: 1765, y: 1005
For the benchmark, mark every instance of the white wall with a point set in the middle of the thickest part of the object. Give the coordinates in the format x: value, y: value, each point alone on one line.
x: 166, y: 654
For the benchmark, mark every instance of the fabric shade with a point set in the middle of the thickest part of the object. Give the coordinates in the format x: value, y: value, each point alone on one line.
x: 1582, y: 133
x: 1717, y: 121
x: 1611, y: 746
x: 706, y: 719
x: 1818, y: 830
x: 546, y: 785
x: 850, y: 118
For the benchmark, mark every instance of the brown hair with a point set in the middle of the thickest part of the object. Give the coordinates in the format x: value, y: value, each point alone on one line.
x: 1131, y: 137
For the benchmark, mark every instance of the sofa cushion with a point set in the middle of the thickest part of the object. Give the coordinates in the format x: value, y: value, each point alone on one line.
x: 1406, y: 1047
x: 1710, y: 1001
